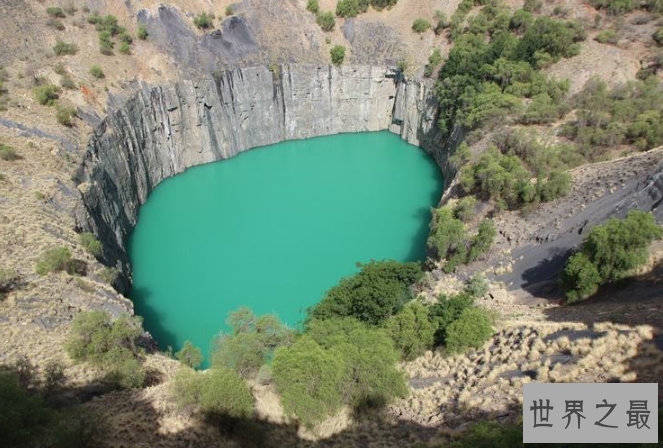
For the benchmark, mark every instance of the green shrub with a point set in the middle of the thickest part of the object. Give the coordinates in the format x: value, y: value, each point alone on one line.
x: 203, y: 21
x: 313, y: 6
x: 190, y: 355
x: 378, y: 291
x: 658, y: 36
x: 609, y: 253
x: 442, y: 22
x: 124, y: 48
x: 106, y: 45
x: 615, y: 7
x: 229, y: 10
x: 446, y: 311
x: 351, y: 8
x: 533, y: 5
x: 433, y: 61
x: 482, y: 241
x: 411, y: 331
x: 108, y: 24
x: 67, y: 82
x: 465, y: 209
x: 609, y: 36
x: 47, y: 94
x: 477, y: 286
x: 326, y: 21
x: 111, y: 346
x: 64, y: 115
x: 22, y: 415
x: 109, y: 275
x: 218, y: 393
x: 309, y: 380
x: 94, y: 19
x: 8, y: 154
x: 55, y: 11
x: 142, y: 32
x: 90, y: 243
x: 251, y: 343
x: 549, y: 39
x: 63, y: 48
x: 97, y: 72
x: 420, y: 25
x: 471, y: 330
x: 125, y: 37
x: 54, y: 260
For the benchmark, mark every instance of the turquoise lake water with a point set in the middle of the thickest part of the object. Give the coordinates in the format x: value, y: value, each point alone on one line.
x: 274, y: 228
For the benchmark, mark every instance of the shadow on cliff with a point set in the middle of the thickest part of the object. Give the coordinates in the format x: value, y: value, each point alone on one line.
x: 152, y: 318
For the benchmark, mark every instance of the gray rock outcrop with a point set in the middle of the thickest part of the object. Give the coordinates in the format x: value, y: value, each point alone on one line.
x: 164, y: 130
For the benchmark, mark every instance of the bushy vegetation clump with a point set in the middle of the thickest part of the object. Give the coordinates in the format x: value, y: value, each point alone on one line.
x: 471, y: 330
x: 326, y: 21
x: 251, y: 343
x: 55, y: 259
x: 142, y: 32
x: 313, y: 6
x: 64, y: 48
x: 97, y: 72
x: 65, y: 114
x: 218, y: 393
x: 337, y: 54
x: 449, y: 239
x: 190, y: 355
x: 56, y: 12
x: 411, y: 330
x: 204, y: 21
x: 420, y: 25
x: 609, y: 253
x: 109, y: 345
x: 47, y: 94
x: 377, y: 291
x: 8, y: 154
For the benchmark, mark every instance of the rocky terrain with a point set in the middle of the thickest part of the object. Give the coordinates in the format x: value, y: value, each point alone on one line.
x: 185, y: 97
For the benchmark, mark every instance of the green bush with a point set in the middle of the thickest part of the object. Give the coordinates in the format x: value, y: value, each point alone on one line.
x: 218, y: 393
x: 446, y: 311
x: 411, y: 331
x: 190, y: 355
x: 8, y: 154
x: 124, y: 48
x: 97, y: 72
x: 351, y: 8
x: 229, y: 10
x: 615, y: 7
x: 337, y: 54
x: 55, y: 11
x: 609, y: 36
x: 448, y: 237
x: 465, y: 209
x: 108, y: 24
x: 471, y: 330
x: 533, y: 5
x: 203, y: 21
x: 64, y: 115
x: 90, y: 243
x: 109, y: 275
x: 433, y: 61
x: 142, y: 32
x: 482, y: 241
x: 67, y: 82
x: 369, y: 357
x: 549, y: 39
x: 94, y: 19
x: 54, y: 260
x: 251, y: 343
x: 313, y: 6
x: 609, y: 253
x: 63, y: 48
x: 442, y: 22
x: 125, y: 37
x: 106, y: 45
x: 309, y: 380
x: 47, y: 94
x: 420, y: 25
x: 378, y: 291
x: 658, y: 36
x: 326, y: 21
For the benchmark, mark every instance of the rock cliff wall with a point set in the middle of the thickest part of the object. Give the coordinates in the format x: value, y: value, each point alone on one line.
x: 164, y: 130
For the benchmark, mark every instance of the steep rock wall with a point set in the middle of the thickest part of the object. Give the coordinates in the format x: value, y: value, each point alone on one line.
x: 164, y: 130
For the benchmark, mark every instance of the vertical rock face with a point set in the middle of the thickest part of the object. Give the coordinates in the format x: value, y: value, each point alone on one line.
x: 164, y: 130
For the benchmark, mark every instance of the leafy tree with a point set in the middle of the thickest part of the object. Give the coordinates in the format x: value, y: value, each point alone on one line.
x: 309, y: 379
x: 190, y: 355
x: 218, y: 393
x: 54, y: 260
x: 609, y: 253
x: 326, y: 21
x: 448, y: 235
x: 549, y: 38
x: 482, y: 241
x: 337, y: 54
x: 420, y: 25
x: 472, y: 329
x: 446, y: 311
x: 251, y: 343
x: 378, y: 291
x: 411, y: 331
x: 110, y: 345
x: 465, y: 209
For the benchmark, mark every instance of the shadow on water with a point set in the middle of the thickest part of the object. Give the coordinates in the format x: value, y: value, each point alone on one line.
x: 152, y: 319
x: 418, y: 243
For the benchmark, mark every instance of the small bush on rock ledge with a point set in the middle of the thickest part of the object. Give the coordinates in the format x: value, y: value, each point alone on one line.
x: 55, y: 260
x: 337, y: 54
